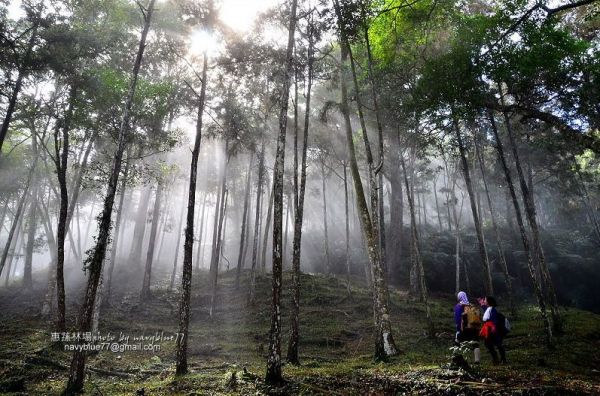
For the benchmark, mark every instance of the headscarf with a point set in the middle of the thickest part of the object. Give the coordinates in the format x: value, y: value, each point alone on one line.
x: 462, y: 298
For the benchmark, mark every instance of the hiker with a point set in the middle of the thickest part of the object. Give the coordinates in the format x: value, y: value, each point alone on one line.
x: 467, y: 318
x: 494, y: 329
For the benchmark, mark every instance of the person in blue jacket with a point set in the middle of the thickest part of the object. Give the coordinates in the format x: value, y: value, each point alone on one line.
x: 464, y: 332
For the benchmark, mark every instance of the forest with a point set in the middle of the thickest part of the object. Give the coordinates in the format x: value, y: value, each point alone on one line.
x: 300, y: 197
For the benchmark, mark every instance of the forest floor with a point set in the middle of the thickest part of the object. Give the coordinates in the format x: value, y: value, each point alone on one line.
x: 227, y: 352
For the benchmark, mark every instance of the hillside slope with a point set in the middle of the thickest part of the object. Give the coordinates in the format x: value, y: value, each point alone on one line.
x: 227, y: 351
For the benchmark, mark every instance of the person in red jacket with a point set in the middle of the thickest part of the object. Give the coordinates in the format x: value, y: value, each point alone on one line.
x: 492, y: 330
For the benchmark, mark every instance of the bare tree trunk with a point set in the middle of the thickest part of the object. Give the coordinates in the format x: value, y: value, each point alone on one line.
x: 4, y: 211
x: 76, y: 185
x: 288, y: 210
x: 500, y: 249
x: 457, y: 218
x: 437, y: 205
x: 17, y: 216
x: 244, y: 222
x: 213, y: 250
x: 50, y: 297
x: 98, y: 303
x: 396, y: 233
x: 135, y: 255
x: 61, y: 171
x: 163, y: 228
x: 218, y: 236
x: 96, y: 257
x: 299, y: 195
x: 257, y: 214
x: 532, y: 272
x: 326, y: 241
x: 347, y: 234
x: 12, y: 247
x: 188, y: 246
x: 273, y: 374
x: 218, y: 250
x: 15, y: 256
x: 31, y: 228
x: 535, y: 231
x: 145, y: 293
x: 384, y: 341
x: 413, y: 289
x: 447, y: 186
x: 201, y: 233
x: 263, y: 256
x: 487, y: 275
x: 417, y: 251
x: 378, y: 221
x: 115, y: 242
x: 178, y: 231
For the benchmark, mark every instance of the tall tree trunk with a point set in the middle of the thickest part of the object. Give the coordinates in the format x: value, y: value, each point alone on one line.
x: 135, y: 255
x: 62, y: 155
x: 201, y: 233
x: 98, y: 303
x: 50, y: 296
x: 384, y: 341
x: 326, y: 241
x: 396, y: 234
x: 522, y: 231
x: 288, y: 210
x: 500, y: 249
x: 17, y: 216
x: 96, y: 257
x: 380, y: 221
x: 273, y: 374
x: 413, y: 289
x: 299, y: 194
x: 145, y: 293
x: 219, y: 212
x: 76, y: 185
x: 115, y: 242
x: 447, y: 186
x: 178, y: 231
x: 257, y: 214
x: 12, y: 246
x: 240, y: 261
x: 263, y: 256
x: 535, y: 231
x: 31, y: 228
x: 17, y: 247
x: 487, y: 275
x: 457, y: 217
x: 417, y: 251
x: 5, y: 210
x: 437, y: 205
x: 188, y: 245
x: 166, y: 209
x: 214, y: 268
x: 347, y: 230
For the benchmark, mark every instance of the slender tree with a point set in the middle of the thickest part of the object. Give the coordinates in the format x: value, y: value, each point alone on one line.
x: 96, y: 258
x: 188, y: 245
x: 273, y: 374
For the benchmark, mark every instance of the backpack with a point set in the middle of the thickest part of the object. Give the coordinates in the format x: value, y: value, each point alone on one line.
x: 504, y: 326
x: 471, y: 317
